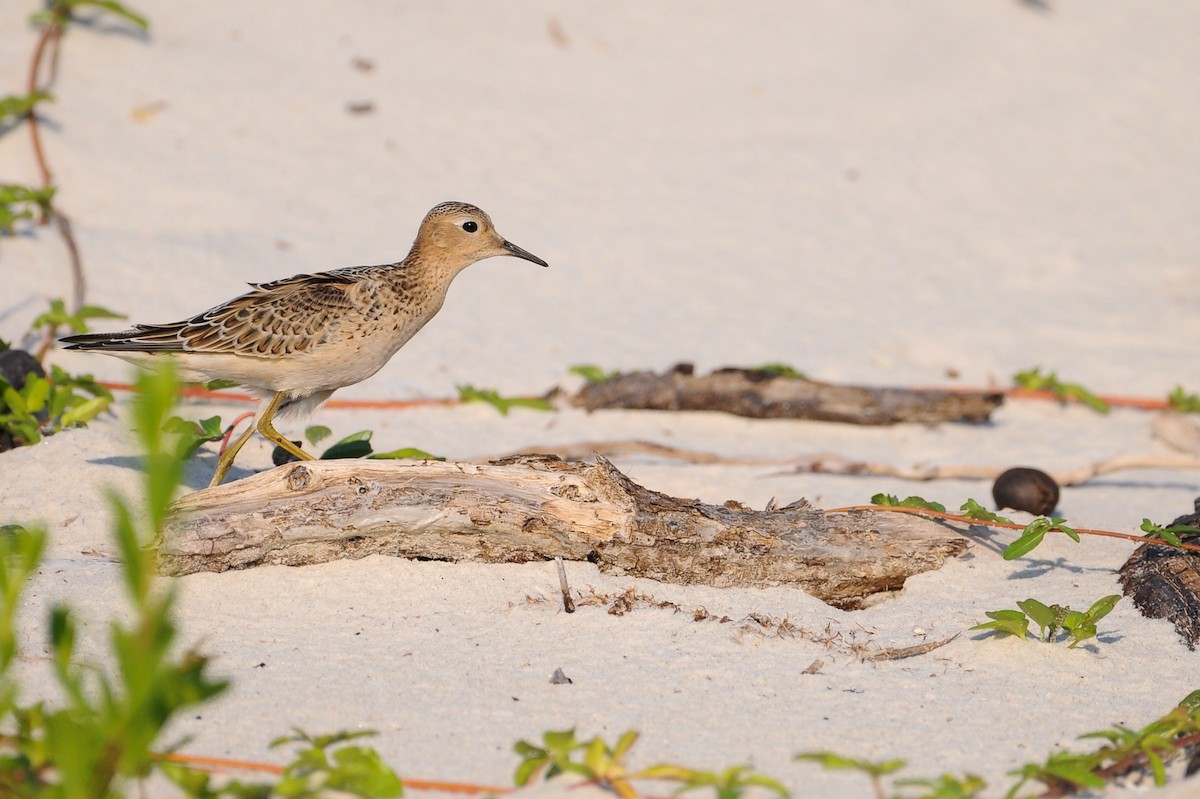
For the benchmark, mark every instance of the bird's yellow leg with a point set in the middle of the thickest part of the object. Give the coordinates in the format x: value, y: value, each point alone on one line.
x: 265, y: 427
x: 225, y: 462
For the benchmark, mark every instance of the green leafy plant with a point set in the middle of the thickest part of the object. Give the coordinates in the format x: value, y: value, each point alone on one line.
x: 1035, y: 380
x: 1182, y: 401
x: 19, y: 202
x: 973, y: 510
x: 16, y: 106
x: 1051, y: 620
x: 731, y: 783
x: 891, y: 500
x: 874, y: 770
x: 1034, y: 533
x: 1006, y: 622
x: 324, y: 766
x: 945, y: 786
x: 592, y: 373
x: 469, y: 393
x: 1173, y: 534
x: 594, y: 760
x: 58, y: 316
x: 47, y: 405
x: 355, y: 445
x: 779, y: 370
x: 193, y: 434
x: 102, y: 735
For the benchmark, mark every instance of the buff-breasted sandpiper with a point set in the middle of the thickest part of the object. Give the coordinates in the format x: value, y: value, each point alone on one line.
x: 295, y: 341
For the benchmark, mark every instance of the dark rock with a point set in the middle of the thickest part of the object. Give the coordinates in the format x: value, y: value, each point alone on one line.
x: 15, y: 366
x: 1026, y: 489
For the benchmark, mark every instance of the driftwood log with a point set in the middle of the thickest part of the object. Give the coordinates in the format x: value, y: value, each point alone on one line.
x: 762, y: 394
x: 538, y: 508
x: 1165, y: 583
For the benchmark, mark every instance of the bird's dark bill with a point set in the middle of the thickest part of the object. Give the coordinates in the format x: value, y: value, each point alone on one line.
x: 518, y: 252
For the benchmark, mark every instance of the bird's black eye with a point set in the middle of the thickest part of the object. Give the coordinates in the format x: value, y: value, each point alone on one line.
x: 470, y: 226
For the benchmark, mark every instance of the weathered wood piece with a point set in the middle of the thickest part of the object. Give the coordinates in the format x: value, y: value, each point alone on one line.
x: 539, y: 507
x: 1165, y: 583
x: 762, y: 394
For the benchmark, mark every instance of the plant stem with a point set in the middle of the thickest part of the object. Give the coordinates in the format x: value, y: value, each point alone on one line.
x: 46, y: 50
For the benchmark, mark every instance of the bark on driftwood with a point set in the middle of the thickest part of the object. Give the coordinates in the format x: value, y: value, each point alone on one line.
x: 535, y: 508
x: 762, y: 394
x: 1165, y: 583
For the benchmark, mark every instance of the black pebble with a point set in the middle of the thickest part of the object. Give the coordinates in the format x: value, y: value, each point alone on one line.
x: 15, y: 365
x: 1026, y: 489
x: 280, y: 456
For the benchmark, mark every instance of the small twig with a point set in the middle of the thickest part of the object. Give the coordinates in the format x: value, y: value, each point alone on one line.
x: 901, y: 652
x: 232, y: 426
x: 568, y: 602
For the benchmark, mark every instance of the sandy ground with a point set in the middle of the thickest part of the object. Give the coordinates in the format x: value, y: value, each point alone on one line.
x: 877, y: 193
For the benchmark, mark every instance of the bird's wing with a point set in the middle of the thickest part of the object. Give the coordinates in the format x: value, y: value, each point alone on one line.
x: 283, y: 317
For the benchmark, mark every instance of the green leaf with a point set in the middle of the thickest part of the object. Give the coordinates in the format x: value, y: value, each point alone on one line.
x: 469, y: 393
x: 355, y: 445
x: 317, y: 433
x: 973, y: 510
x: 119, y: 9
x: 890, y: 500
x: 1102, y: 607
x: 1046, y: 618
x: 217, y: 385
x: 85, y: 411
x: 834, y: 761
x: 18, y: 105
x: 1007, y: 622
x: 1029, y: 539
x: 406, y: 452
x: 36, y: 391
x: 592, y: 373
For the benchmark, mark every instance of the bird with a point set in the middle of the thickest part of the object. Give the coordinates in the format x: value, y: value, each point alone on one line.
x: 295, y: 341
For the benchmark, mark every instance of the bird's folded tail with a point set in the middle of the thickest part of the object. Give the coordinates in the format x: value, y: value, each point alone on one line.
x: 140, y: 338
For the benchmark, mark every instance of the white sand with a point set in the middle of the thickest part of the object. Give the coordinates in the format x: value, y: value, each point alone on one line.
x: 870, y: 192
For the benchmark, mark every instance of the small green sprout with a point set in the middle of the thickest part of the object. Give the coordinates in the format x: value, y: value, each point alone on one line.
x: 19, y: 202
x: 47, y: 405
x: 1033, y: 534
x: 1051, y: 620
x: 973, y: 510
x: 891, y: 500
x: 1034, y: 380
x: 193, y: 434
x: 874, y: 770
x: 779, y: 370
x: 562, y: 753
x: 1173, y: 534
x: 58, y: 316
x: 16, y: 106
x: 1183, y: 402
x: 317, y: 433
x: 469, y: 393
x: 730, y: 783
x: 1006, y: 622
x: 592, y: 373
